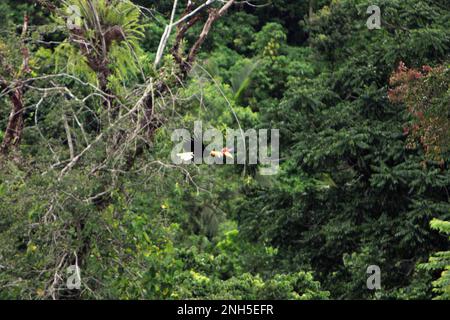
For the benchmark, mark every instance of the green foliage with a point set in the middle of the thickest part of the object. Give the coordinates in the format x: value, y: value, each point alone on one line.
x: 366, y: 199
x: 123, y: 31
x: 241, y: 79
x: 298, y: 286
x: 350, y: 191
x: 440, y: 261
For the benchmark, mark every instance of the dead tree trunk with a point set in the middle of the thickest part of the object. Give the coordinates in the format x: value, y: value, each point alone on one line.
x: 13, y: 133
x: 14, y: 128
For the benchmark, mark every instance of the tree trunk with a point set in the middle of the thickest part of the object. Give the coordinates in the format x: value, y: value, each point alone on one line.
x: 13, y: 133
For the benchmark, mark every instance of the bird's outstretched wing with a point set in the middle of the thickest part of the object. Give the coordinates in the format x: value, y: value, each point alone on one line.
x: 185, y: 156
x: 227, y: 152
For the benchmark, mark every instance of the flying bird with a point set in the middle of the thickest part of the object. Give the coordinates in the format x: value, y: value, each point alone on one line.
x: 225, y: 152
x: 189, y: 147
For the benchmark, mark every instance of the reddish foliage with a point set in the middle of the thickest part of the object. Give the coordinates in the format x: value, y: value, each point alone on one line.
x: 425, y: 94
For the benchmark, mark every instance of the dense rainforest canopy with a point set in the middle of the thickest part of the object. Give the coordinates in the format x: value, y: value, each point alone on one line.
x: 92, y: 90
